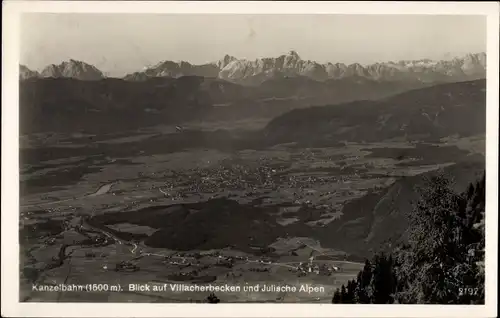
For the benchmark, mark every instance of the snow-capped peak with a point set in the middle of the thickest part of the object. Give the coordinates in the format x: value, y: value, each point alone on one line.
x: 73, y: 69
x: 225, y: 61
x: 470, y: 66
x: 294, y: 54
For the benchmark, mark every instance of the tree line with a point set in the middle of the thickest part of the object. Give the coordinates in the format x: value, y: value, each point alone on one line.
x: 442, y: 260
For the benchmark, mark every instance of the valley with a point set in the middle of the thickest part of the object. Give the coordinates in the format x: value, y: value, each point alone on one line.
x: 210, y: 206
x: 182, y: 155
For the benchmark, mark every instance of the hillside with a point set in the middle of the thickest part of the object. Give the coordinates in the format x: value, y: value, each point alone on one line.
x: 434, y: 263
x: 427, y: 113
x: 53, y: 104
x: 364, y: 228
x: 214, y: 224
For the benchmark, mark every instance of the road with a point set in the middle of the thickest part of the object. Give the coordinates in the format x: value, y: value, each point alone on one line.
x: 134, y: 248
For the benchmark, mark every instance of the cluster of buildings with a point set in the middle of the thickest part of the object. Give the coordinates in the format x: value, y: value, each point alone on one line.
x: 315, y: 268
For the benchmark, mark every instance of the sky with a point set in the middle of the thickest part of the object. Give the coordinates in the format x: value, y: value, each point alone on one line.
x: 119, y: 44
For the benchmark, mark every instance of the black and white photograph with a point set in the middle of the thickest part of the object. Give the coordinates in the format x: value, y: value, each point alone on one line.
x: 251, y: 158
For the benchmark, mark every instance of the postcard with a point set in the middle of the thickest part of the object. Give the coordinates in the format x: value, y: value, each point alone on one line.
x: 249, y: 159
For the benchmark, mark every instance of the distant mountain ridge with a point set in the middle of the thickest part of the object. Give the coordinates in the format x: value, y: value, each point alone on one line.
x: 67, y: 69
x: 471, y: 66
x: 26, y: 73
x: 242, y: 71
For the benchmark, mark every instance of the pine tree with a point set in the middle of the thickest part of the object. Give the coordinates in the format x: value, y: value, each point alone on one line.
x: 384, y: 280
x: 343, y: 295
x: 476, y: 207
x: 351, y: 292
x: 363, y: 283
x: 336, y: 297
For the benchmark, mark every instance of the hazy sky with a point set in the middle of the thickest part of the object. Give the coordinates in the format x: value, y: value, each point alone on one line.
x: 122, y: 43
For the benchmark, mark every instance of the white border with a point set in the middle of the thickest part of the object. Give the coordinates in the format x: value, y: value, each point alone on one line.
x: 10, y: 161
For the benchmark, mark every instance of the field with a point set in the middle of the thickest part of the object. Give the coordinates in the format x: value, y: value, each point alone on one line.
x: 204, y: 205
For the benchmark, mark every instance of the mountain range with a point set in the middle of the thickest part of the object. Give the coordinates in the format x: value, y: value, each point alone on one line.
x: 67, y: 69
x: 254, y: 72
